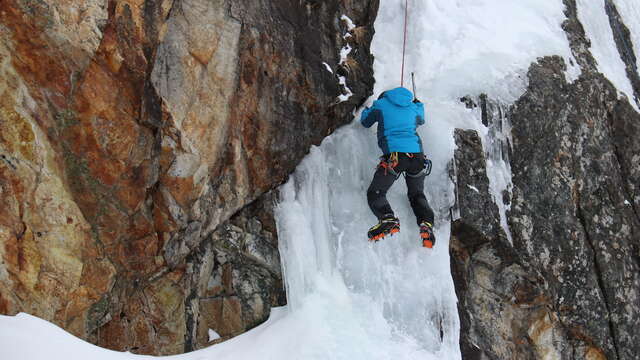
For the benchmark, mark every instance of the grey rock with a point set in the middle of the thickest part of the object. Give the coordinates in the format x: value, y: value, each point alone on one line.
x: 569, y: 283
x: 503, y: 310
x: 235, y: 276
x: 622, y: 38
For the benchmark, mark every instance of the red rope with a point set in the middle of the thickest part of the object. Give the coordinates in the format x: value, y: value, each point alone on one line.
x: 404, y: 42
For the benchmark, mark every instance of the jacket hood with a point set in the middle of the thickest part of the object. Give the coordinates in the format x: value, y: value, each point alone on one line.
x: 399, y: 96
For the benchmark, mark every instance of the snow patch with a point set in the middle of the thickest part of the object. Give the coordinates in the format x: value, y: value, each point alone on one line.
x: 573, y: 69
x: 213, y: 335
x: 326, y: 66
x: 344, y: 53
x: 350, y: 24
x: 473, y: 188
x: 344, y: 97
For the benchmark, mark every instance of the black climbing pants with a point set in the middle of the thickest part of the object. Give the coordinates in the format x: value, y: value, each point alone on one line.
x: 412, y: 165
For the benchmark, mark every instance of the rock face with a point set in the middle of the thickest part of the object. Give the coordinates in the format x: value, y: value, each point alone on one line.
x: 567, y: 285
x: 504, y: 311
x: 132, y: 136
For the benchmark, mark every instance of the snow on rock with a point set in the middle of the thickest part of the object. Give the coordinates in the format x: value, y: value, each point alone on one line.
x: 344, y: 53
x: 350, y: 24
x: 630, y: 12
x: 344, y: 97
x: 594, y: 18
x: 473, y: 188
x: 326, y: 66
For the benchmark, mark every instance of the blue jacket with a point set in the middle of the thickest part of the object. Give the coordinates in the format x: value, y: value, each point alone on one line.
x: 397, y: 117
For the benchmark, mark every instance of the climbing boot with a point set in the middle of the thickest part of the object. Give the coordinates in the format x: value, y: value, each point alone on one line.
x: 426, y: 233
x: 389, y: 225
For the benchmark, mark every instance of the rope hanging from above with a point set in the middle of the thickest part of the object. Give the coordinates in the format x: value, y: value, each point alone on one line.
x: 404, y: 41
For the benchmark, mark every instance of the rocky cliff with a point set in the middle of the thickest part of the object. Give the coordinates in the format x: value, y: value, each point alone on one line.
x: 562, y: 281
x: 137, y: 142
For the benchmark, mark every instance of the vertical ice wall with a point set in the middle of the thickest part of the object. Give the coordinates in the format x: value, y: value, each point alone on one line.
x: 395, y: 291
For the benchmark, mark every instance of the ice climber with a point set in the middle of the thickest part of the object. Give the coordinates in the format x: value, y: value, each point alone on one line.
x: 398, y: 115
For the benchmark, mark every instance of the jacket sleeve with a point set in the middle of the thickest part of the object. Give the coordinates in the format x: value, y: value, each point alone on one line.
x: 369, y: 116
x: 420, y: 116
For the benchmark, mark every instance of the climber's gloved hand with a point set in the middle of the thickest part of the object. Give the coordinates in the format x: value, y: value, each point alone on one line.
x: 416, y: 100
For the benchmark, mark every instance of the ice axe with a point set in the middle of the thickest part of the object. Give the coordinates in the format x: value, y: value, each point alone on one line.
x: 413, y: 82
x: 427, y: 163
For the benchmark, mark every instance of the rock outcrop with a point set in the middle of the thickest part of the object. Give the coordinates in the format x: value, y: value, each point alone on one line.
x: 567, y: 284
x: 130, y: 134
x: 504, y: 311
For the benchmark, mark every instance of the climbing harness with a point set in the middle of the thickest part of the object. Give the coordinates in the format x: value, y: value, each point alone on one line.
x: 389, y: 163
x: 426, y: 171
x: 404, y: 41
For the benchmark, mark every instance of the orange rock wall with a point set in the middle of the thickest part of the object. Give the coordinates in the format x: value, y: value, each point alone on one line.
x: 131, y: 129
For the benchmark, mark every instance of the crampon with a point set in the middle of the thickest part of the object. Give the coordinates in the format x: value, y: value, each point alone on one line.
x: 387, y: 226
x: 426, y: 234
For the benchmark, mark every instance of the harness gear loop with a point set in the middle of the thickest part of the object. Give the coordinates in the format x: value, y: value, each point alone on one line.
x: 427, y: 166
x: 426, y: 170
x: 389, y: 164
